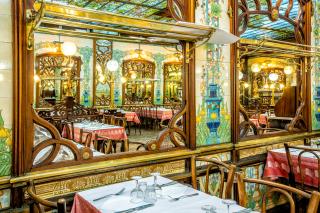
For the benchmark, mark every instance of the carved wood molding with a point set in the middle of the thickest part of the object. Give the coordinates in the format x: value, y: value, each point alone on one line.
x: 56, y: 142
x: 177, y: 9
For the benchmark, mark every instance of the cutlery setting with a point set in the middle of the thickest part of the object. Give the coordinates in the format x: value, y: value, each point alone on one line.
x: 109, y: 195
x: 183, y: 196
x: 135, y: 208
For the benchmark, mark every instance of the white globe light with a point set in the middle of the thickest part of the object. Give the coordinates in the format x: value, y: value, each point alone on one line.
x: 255, y: 67
x: 133, y: 75
x: 273, y: 76
x: 240, y: 75
x: 112, y: 65
x: 69, y: 48
x: 288, y: 70
x: 36, y: 78
x: 123, y: 80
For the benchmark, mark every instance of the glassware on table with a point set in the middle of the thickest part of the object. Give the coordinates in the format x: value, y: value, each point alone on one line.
x: 157, y: 187
x: 229, y: 202
x: 143, y: 186
x: 150, y: 195
x: 136, y: 194
x: 208, y: 208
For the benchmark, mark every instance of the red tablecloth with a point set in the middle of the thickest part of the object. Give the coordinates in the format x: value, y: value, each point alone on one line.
x: 81, y: 205
x: 277, y: 166
x: 159, y: 113
x: 108, y: 131
x: 263, y: 119
x: 132, y: 116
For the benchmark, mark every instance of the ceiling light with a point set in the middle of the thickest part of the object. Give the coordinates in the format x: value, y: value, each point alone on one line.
x: 255, y: 67
x: 112, y: 65
x: 288, y: 70
x: 273, y: 76
x: 69, y: 48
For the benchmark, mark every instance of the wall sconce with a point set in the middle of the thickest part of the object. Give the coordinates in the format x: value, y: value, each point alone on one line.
x: 255, y: 67
x: 123, y: 80
x: 112, y: 65
x: 36, y: 78
x: 246, y: 85
x: 287, y: 70
x: 273, y: 76
x: 240, y: 75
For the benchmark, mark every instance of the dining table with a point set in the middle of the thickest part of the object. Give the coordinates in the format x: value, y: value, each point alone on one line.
x: 111, y: 132
x: 115, y: 198
x: 132, y: 117
x: 160, y: 113
x: 277, y: 166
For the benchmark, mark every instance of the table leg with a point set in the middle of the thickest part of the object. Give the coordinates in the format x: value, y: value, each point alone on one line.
x: 126, y: 145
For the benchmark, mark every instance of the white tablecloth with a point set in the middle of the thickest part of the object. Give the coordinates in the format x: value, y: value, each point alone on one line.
x: 163, y: 205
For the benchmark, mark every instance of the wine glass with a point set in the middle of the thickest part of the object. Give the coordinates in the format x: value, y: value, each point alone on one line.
x: 136, y: 194
x: 209, y: 208
x: 229, y: 202
x: 157, y: 187
x: 150, y: 194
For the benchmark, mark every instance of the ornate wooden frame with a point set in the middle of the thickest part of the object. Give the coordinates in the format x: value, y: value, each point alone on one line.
x: 302, y: 26
x: 100, y: 57
x: 52, y: 58
x: 165, y: 76
x: 149, y: 70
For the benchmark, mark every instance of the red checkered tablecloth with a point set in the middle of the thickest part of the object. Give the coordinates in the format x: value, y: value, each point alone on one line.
x: 108, y: 131
x: 132, y: 116
x: 159, y: 113
x: 277, y: 166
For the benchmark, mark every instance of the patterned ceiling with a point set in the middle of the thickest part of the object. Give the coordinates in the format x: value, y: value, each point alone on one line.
x: 260, y: 26
x: 151, y: 9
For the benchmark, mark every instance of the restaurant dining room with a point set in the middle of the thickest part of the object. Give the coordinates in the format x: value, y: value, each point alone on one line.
x: 120, y: 106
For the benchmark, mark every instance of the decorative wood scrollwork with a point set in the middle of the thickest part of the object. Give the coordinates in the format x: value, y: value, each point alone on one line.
x: 136, y: 91
x: 53, y: 70
x: 274, y: 14
x: 177, y: 9
x: 45, y: 151
x: 103, y: 54
x: 172, y: 73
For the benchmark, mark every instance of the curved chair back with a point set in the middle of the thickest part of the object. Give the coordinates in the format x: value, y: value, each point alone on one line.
x: 222, y: 168
x: 287, y: 191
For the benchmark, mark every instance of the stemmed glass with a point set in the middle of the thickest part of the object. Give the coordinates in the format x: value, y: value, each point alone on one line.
x: 150, y: 195
x: 156, y: 186
x: 229, y: 202
x: 136, y: 194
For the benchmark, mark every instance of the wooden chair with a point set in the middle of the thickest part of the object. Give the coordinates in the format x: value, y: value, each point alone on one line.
x: 222, y: 168
x: 40, y: 205
x: 119, y: 121
x: 85, y: 138
x: 287, y: 191
x: 108, y: 119
x: 68, y: 127
x: 102, y: 144
x: 292, y: 180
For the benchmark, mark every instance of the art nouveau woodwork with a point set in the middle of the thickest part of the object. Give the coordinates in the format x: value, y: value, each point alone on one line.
x: 171, y: 94
x: 54, y: 70
x: 135, y: 91
x: 102, y: 53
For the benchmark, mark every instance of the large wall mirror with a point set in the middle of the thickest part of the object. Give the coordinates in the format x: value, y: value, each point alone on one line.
x: 119, y: 97
x: 271, y: 72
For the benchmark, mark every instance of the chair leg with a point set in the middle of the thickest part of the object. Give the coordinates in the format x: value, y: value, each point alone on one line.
x: 114, y: 145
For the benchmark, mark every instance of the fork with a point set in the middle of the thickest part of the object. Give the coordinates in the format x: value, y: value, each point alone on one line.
x: 183, y: 196
x: 108, y: 195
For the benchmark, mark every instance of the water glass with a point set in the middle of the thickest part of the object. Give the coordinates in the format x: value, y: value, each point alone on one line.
x: 136, y: 194
x: 150, y: 195
x: 143, y: 186
x: 156, y: 185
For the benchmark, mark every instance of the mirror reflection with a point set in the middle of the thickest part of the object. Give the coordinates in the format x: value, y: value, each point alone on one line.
x: 110, y: 96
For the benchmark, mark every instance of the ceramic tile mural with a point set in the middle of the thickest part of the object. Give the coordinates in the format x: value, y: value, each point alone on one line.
x: 213, y: 77
x: 316, y: 68
x: 6, y: 95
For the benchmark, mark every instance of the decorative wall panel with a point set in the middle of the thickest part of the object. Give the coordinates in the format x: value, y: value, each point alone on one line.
x: 316, y: 67
x: 6, y: 96
x: 213, y: 77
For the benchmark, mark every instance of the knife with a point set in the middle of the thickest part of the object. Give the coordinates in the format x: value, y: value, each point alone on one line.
x: 136, y: 208
x: 169, y: 183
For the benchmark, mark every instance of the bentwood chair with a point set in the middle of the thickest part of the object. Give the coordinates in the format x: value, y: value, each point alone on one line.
x: 68, y: 127
x: 119, y: 121
x: 292, y: 179
x: 85, y: 138
x: 40, y: 205
x: 272, y: 187
x: 212, y: 166
x: 108, y: 119
x: 102, y: 144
